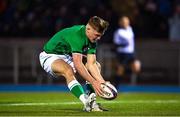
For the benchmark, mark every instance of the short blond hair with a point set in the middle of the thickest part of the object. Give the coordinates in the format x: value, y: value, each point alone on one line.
x: 98, y: 24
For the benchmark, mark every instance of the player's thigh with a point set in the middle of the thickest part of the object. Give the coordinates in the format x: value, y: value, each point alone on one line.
x: 61, y: 68
x: 63, y: 63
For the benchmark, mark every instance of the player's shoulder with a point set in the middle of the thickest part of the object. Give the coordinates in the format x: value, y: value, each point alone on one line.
x: 77, y: 27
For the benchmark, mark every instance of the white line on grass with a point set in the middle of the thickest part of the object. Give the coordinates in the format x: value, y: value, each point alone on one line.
x: 106, y: 102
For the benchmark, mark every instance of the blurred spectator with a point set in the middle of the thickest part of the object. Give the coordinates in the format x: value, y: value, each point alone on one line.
x: 42, y: 18
x: 124, y: 40
x: 128, y: 7
x: 164, y: 7
x: 152, y: 24
x: 174, y: 24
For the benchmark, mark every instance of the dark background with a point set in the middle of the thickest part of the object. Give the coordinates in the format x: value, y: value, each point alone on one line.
x: 25, y: 25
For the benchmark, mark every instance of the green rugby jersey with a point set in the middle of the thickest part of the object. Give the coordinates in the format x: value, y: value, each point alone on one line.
x: 70, y: 40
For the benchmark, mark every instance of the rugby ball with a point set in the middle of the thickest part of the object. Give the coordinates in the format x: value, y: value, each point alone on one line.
x: 109, y: 91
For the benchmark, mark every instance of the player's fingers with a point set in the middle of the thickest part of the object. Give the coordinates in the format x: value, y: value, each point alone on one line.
x: 97, y: 91
x: 100, y: 91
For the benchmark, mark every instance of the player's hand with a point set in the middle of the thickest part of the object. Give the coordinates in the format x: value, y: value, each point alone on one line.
x: 97, y: 87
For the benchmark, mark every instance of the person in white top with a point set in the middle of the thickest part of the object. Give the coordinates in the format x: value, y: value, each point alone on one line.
x: 124, y: 41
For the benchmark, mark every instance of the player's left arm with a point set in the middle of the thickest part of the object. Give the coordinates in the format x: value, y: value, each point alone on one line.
x: 93, y: 67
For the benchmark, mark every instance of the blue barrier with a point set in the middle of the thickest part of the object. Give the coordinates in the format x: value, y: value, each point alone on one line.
x: 63, y: 88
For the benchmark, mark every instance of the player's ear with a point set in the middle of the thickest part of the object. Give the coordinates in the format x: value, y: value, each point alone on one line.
x: 88, y: 27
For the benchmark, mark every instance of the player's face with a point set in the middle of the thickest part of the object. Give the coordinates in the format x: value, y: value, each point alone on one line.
x: 92, y: 34
x: 124, y: 22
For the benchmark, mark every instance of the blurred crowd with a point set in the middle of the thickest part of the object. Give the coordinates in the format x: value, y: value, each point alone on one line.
x: 42, y: 18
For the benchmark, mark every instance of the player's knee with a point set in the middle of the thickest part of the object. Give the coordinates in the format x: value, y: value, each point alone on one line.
x: 68, y: 73
x: 136, y: 67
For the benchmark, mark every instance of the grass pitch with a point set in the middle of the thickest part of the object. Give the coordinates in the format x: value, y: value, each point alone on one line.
x: 65, y: 104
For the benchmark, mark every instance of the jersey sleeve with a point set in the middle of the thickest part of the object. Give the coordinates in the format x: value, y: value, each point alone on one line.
x: 92, y: 48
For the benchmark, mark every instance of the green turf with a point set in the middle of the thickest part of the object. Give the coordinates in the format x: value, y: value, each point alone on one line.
x: 62, y: 104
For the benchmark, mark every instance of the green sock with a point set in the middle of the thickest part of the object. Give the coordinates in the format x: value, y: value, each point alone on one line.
x: 89, y: 88
x: 77, y: 90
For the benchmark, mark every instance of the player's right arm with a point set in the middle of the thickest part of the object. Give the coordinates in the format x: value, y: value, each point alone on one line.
x: 77, y: 59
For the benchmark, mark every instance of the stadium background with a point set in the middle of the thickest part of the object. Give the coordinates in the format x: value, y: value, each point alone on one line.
x: 26, y: 24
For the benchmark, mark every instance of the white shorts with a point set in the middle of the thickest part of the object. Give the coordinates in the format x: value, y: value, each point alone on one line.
x: 47, y: 59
